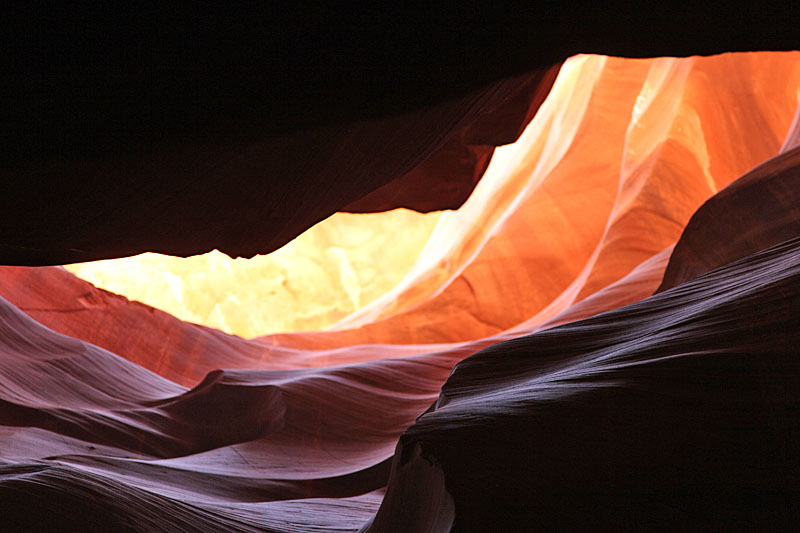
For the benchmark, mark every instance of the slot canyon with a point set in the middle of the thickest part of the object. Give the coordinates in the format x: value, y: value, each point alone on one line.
x: 516, y: 272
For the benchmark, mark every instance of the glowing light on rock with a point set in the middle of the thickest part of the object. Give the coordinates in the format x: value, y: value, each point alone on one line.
x: 605, y: 176
x: 331, y: 270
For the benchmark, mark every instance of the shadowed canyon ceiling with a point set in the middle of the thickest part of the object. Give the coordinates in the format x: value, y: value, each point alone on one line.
x: 547, y: 291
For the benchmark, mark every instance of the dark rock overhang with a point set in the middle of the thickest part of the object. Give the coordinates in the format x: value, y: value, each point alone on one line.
x: 181, y: 131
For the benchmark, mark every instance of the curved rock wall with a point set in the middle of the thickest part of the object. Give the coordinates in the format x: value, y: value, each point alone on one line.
x: 521, y: 377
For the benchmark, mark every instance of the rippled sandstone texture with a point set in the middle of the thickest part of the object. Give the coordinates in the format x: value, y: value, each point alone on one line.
x: 520, y: 376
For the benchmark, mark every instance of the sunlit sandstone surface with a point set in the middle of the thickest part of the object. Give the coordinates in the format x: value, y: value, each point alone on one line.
x: 331, y: 270
x: 410, y: 412
x: 651, y: 169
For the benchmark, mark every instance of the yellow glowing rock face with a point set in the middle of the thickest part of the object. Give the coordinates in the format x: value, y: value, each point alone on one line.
x: 331, y: 270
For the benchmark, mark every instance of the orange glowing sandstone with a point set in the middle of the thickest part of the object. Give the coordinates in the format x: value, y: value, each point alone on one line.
x: 607, y: 174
